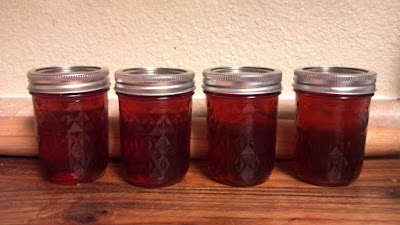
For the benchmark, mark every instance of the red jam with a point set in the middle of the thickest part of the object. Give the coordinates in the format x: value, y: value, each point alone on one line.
x: 241, y: 137
x: 72, y: 135
x: 155, y: 138
x: 330, y: 139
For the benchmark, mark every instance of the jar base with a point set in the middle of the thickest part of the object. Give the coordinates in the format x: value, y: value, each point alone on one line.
x: 239, y: 184
x: 325, y: 183
x: 151, y: 183
x: 71, y: 178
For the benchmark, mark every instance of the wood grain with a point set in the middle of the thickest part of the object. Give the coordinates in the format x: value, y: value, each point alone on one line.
x: 17, y: 138
x: 25, y: 198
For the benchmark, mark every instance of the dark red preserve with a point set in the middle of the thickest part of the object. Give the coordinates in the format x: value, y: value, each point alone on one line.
x: 70, y: 106
x: 331, y: 123
x: 242, y: 120
x: 155, y: 122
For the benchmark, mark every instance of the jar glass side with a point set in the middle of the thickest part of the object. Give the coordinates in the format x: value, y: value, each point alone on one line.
x: 330, y: 137
x: 155, y: 138
x: 241, y: 137
x: 72, y: 135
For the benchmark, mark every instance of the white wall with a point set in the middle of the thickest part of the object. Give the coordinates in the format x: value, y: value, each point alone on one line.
x: 197, y: 34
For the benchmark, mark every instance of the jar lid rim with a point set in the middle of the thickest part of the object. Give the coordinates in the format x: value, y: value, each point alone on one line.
x: 154, y: 71
x: 246, y: 71
x: 67, y: 70
x: 336, y: 71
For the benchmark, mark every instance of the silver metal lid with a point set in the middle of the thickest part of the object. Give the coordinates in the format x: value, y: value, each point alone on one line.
x: 68, y: 79
x: 335, y: 80
x: 242, y: 80
x: 153, y: 81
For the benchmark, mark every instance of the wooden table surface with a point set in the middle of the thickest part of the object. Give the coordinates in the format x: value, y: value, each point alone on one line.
x: 25, y: 198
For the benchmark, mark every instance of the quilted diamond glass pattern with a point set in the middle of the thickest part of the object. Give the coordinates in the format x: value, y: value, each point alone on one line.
x: 241, y: 137
x: 72, y: 135
x: 155, y: 138
x: 330, y: 138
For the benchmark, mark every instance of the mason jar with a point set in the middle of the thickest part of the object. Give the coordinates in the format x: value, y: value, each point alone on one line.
x: 241, y: 119
x: 331, y: 123
x: 70, y: 107
x: 155, y: 122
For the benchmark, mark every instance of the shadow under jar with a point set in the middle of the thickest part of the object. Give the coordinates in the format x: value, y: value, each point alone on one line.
x: 331, y: 123
x: 155, y: 122
x: 71, y: 113
x: 242, y: 119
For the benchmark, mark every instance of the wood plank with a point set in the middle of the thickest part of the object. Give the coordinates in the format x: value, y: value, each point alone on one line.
x: 17, y: 138
x: 25, y: 198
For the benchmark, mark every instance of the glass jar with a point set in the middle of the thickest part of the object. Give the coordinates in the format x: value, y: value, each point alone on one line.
x: 242, y: 119
x: 331, y: 123
x: 70, y: 107
x: 155, y: 122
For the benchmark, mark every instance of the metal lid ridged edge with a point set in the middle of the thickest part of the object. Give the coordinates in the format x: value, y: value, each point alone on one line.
x: 242, y: 80
x: 335, y: 80
x: 154, y: 81
x: 68, y: 79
